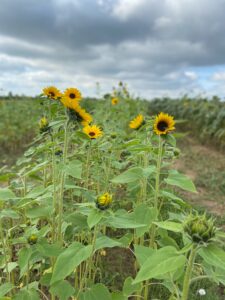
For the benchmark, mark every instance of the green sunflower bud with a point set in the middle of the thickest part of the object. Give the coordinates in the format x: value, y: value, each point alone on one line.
x: 32, y: 239
x: 104, y: 201
x: 44, y: 125
x: 200, y: 229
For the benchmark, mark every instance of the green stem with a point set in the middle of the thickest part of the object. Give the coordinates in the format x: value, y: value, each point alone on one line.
x: 157, y: 184
x: 61, y: 192
x: 187, y: 276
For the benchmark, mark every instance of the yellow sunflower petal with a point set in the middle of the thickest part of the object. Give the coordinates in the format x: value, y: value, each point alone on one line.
x: 163, y: 124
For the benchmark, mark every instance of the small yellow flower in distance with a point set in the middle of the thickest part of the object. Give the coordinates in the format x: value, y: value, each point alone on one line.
x: 71, y: 97
x: 52, y: 92
x: 32, y: 239
x: 103, y: 252
x: 115, y: 101
x: 137, y: 122
x: 93, y: 131
x: 104, y: 201
x: 44, y: 125
x: 163, y: 124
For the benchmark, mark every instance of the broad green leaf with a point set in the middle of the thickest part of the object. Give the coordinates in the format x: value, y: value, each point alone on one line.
x: 125, y: 221
x: 74, y: 169
x: 131, y: 175
x: 94, y: 218
x: 118, y: 296
x: 182, y: 181
x: 144, y: 215
x: 169, y: 225
x: 162, y: 262
x: 129, y: 288
x: 106, y: 242
x: 213, y: 255
x: 23, y: 259
x: 27, y: 294
x: 9, y: 213
x: 96, y: 292
x: 69, y: 259
x: 5, y: 288
x: 47, y: 249
x: 63, y: 290
x: 171, y: 196
x: 142, y: 253
x: 6, y: 194
x: 39, y: 211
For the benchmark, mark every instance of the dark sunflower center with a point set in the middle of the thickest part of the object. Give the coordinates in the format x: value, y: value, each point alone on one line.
x: 72, y: 96
x: 92, y: 133
x: 51, y: 94
x: 162, y: 126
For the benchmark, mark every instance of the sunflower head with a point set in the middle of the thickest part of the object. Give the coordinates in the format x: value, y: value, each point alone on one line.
x: 200, y: 228
x: 32, y: 239
x: 114, y: 101
x: 52, y: 92
x: 93, y: 131
x: 71, y: 97
x: 137, y: 122
x: 44, y: 125
x: 104, y: 201
x: 163, y: 124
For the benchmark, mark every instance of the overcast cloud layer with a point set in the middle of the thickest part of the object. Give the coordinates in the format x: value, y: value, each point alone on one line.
x: 166, y: 47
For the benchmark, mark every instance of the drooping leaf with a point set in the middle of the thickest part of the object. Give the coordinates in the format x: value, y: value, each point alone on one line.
x: 131, y: 175
x: 161, y: 262
x: 96, y: 292
x: 182, y: 181
x: 69, y: 259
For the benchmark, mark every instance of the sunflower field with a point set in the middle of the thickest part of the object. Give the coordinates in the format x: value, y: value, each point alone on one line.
x: 92, y: 210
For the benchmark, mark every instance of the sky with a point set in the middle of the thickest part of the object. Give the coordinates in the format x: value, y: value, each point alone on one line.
x: 158, y: 47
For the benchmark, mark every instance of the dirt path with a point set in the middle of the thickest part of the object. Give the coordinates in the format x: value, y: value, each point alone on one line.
x: 206, y: 167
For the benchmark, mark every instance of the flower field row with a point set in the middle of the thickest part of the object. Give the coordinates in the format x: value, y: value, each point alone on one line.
x: 99, y: 177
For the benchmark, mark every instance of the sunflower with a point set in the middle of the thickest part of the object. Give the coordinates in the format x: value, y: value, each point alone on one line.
x: 104, y: 201
x: 137, y: 122
x: 85, y: 116
x: 93, y: 131
x: 115, y: 101
x: 52, y: 92
x: 163, y: 124
x: 71, y: 97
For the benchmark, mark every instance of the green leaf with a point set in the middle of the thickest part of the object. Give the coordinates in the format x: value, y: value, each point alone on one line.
x: 125, y: 221
x: 106, y: 242
x: 94, y: 218
x: 48, y: 250
x: 213, y: 255
x: 180, y: 180
x: 27, y: 295
x: 9, y: 213
x: 142, y: 253
x: 160, y: 263
x: 118, y: 296
x: 62, y: 289
x: 69, y: 259
x: 131, y: 175
x: 96, y: 292
x: 169, y: 225
x: 74, y: 169
x: 129, y: 288
x: 38, y: 212
x: 5, y: 288
x: 6, y: 194
x: 146, y: 215
x: 23, y: 259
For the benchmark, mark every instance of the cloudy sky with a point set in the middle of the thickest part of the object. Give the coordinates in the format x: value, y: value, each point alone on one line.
x: 159, y: 47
